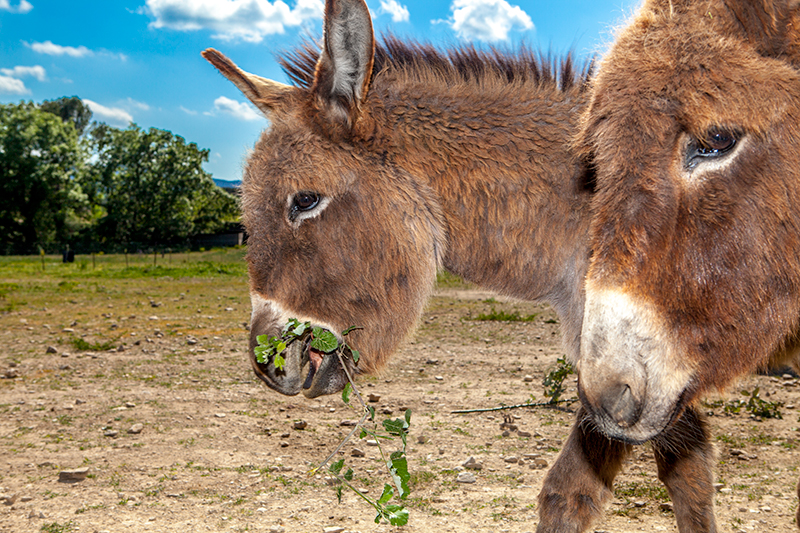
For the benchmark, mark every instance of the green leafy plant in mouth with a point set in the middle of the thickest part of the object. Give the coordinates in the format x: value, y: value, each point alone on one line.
x: 271, y: 348
x: 322, y: 340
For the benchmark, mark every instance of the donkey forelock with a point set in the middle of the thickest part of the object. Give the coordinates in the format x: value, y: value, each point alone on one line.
x: 692, y: 127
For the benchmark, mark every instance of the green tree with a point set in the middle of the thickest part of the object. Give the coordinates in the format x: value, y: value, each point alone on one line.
x: 70, y: 109
x: 152, y: 188
x: 41, y: 201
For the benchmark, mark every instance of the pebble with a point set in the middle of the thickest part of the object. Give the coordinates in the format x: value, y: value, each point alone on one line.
x: 511, y: 459
x: 372, y: 442
x: 51, y: 349
x: 111, y: 433
x: 11, y: 373
x: 439, y: 378
x: 357, y: 452
x: 136, y: 429
x: 300, y: 424
x: 8, y: 499
x: 472, y: 464
x: 333, y: 529
x: 347, y: 423
x: 539, y: 463
x: 423, y: 439
x: 220, y: 415
x: 73, y: 476
x: 465, y: 477
x: 374, y: 398
x: 277, y: 529
x: 640, y: 504
x: 666, y: 506
x: 528, y: 378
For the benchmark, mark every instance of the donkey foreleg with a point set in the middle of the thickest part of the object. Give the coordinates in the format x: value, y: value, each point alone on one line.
x: 578, y: 485
x: 685, y: 460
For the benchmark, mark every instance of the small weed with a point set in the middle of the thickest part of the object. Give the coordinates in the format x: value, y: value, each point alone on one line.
x: 554, y: 381
x: 502, y: 316
x: 55, y: 527
x: 101, y: 346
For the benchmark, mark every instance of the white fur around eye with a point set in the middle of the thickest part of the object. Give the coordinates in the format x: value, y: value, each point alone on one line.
x: 300, y: 216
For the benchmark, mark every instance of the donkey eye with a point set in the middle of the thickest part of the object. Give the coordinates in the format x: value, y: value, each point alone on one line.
x: 305, y: 201
x: 716, y: 143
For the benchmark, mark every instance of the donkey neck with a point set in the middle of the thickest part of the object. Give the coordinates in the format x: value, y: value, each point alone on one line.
x: 513, y: 196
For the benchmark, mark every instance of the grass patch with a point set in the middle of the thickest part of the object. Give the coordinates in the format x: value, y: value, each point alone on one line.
x: 83, y: 345
x: 55, y: 527
x: 502, y: 316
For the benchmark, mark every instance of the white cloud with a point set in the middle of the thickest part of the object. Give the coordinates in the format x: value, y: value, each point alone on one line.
x: 398, y: 11
x: 188, y: 111
x: 130, y: 103
x: 11, y: 85
x: 246, y: 20
x: 37, y: 72
x: 487, y: 20
x: 240, y: 110
x: 23, y: 7
x: 114, y: 116
x: 52, y: 49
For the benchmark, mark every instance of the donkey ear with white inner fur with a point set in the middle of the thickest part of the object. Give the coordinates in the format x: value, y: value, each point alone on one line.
x: 263, y: 93
x: 344, y: 69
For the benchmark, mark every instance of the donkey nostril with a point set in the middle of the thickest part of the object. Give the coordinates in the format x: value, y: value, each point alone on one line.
x: 621, y: 406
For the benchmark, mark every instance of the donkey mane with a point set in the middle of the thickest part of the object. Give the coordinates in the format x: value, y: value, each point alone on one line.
x: 463, y: 64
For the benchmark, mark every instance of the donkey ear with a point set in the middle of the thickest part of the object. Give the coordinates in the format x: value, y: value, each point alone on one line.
x: 265, y: 94
x: 344, y: 68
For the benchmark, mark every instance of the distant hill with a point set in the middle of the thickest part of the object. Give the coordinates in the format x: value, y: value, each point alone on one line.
x: 227, y: 184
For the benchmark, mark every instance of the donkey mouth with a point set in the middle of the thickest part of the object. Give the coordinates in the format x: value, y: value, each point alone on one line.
x: 315, y: 359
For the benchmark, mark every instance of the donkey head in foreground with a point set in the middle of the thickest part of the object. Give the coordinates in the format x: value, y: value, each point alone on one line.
x: 337, y: 235
x: 693, y: 128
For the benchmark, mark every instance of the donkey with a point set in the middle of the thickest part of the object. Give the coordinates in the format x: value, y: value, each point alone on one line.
x: 694, y: 279
x: 384, y: 163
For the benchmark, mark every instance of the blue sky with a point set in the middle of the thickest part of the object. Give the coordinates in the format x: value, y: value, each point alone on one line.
x: 139, y: 60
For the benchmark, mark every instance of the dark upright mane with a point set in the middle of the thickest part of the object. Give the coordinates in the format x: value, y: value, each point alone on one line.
x: 461, y: 64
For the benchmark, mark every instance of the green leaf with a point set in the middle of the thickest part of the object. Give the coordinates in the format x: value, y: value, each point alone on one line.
x: 395, y: 427
x: 371, y: 413
x: 300, y: 329
x: 346, y: 392
x: 356, y: 355
x: 363, y: 433
x: 398, y: 516
x: 339, y: 493
x: 349, y: 474
x: 263, y: 340
x: 408, y: 417
x: 388, y: 492
x: 336, y: 467
x: 279, y: 362
x: 398, y: 467
x: 323, y: 340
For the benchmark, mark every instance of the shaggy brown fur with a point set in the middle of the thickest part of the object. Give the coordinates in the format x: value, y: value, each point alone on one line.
x: 456, y: 159
x: 695, y: 277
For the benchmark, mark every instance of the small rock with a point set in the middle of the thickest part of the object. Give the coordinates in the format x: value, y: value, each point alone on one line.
x: 765, y: 509
x: 357, y: 452
x: 284, y: 444
x: 372, y: 442
x: 73, y: 476
x: 423, y: 439
x: 79, y: 401
x: 640, y: 504
x: 35, y: 514
x: 666, y: 506
x: 333, y: 529
x: 347, y: 423
x: 26, y: 499
x: 538, y: 463
x: 113, y: 433
x: 68, y: 330
x: 439, y: 378
x: 726, y: 490
x: 718, y: 486
x: 191, y: 342
x: 472, y: 464
x: 11, y: 373
x: 465, y: 477
x: 8, y: 499
x: 51, y: 349
x: 277, y: 529
x: 386, y: 411
x: 300, y: 424
x: 374, y: 398
x: 220, y: 415
x: 136, y: 429
x: 511, y: 459
x: 130, y: 405
x: 521, y: 433
x: 432, y: 362
x: 528, y: 378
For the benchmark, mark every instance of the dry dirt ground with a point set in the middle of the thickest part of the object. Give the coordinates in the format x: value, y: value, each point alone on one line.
x: 178, y: 435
